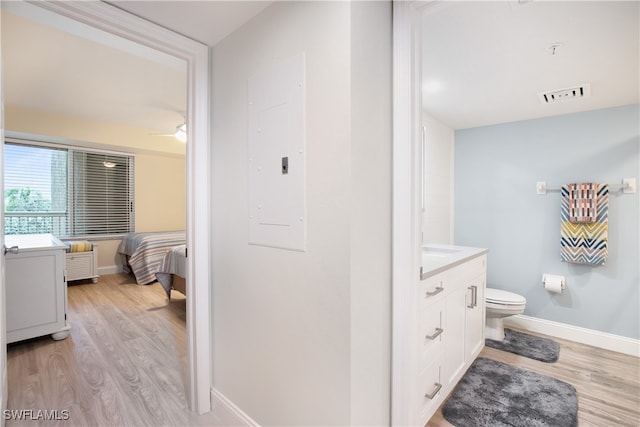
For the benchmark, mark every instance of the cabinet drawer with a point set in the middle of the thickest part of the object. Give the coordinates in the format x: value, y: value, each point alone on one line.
x: 80, y: 265
x: 430, y: 332
x: 429, y: 391
x: 432, y: 288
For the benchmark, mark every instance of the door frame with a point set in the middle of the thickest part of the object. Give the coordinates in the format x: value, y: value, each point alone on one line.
x: 407, y: 189
x: 3, y: 324
x: 117, y: 22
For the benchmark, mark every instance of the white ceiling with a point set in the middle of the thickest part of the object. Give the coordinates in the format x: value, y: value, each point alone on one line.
x: 53, y: 64
x: 485, y: 62
x: 205, y: 21
x: 55, y: 71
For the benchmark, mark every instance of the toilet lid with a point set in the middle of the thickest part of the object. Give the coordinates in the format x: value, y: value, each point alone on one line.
x: 498, y: 296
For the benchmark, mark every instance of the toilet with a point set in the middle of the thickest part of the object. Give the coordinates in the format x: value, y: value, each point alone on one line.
x: 500, y: 304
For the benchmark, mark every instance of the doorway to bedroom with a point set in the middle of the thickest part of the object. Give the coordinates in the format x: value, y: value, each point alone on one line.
x: 162, y: 196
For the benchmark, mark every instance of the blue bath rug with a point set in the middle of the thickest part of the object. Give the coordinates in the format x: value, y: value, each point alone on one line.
x: 494, y: 394
x: 531, y: 346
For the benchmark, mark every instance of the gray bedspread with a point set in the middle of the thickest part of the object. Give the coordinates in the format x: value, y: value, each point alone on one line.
x: 146, y: 251
x: 174, y: 262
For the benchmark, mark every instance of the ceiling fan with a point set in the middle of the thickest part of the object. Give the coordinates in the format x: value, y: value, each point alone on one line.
x: 180, y: 134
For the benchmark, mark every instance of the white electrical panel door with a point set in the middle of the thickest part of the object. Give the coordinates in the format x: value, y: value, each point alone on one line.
x: 277, y: 155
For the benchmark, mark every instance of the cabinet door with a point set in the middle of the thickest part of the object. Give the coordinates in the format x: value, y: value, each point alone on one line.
x: 454, y: 334
x: 475, y: 318
x: 79, y: 265
x: 35, y: 294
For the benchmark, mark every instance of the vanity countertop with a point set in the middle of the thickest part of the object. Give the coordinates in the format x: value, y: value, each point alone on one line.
x: 438, y: 258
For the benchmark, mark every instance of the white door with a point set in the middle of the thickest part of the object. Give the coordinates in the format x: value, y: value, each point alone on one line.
x: 3, y: 325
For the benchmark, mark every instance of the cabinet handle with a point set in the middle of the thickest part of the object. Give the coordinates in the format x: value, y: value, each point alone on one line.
x: 435, y: 334
x: 474, y: 296
x: 432, y: 395
x: 436, y: 292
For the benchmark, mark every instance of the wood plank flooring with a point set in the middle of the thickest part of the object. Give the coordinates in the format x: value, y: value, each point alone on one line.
x: 608, y: 383
x: 124, y: 363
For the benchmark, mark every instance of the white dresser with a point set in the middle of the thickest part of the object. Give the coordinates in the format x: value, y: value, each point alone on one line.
x: 36, y: 288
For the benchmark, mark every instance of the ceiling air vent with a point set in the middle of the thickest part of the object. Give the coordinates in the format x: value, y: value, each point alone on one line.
x: 558, y: 95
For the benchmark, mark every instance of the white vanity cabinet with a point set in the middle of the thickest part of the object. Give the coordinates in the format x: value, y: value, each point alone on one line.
x: 451, y: 317
x: 36, y: 289
x: 430, y: 334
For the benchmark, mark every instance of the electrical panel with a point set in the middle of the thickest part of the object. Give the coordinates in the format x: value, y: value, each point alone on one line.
x: 277, y: 155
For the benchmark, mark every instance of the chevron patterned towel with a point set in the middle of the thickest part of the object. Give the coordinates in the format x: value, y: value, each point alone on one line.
x: 583, y: 202
x: 585, y: 243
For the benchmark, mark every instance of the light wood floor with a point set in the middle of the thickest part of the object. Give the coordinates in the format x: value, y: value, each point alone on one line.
x: 608, y: 383
x: 123, y: 365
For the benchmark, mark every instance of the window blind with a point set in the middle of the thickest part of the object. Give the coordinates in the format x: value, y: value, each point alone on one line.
x: 102, y: 202
x: 68, y: 192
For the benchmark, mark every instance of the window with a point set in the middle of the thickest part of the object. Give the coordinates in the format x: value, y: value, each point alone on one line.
x: 68, y: 192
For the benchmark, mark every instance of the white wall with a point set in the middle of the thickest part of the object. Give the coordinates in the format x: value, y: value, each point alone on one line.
x: 298, y: 339
x: 371, y: 135
x: 437, y: 218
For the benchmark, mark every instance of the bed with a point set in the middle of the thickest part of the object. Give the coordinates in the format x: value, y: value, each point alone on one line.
x: 173, y: 270
x: 142, y: 253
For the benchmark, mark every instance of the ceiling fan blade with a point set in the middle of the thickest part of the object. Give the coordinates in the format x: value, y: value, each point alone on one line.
x: 180, y: 133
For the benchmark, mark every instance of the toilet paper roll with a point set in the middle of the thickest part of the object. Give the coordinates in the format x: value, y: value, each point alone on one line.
x: 553, y: 283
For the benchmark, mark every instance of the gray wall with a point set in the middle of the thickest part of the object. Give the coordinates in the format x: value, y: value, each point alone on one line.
x: 304, y: 338
x: 496, y: 206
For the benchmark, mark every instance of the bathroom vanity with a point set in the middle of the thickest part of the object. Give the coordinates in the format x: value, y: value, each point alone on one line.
x: 450, y: 315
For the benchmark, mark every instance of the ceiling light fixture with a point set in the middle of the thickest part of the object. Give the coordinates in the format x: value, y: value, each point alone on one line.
x: 109, y: 164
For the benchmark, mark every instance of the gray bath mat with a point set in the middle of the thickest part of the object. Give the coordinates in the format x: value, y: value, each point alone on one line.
x: 494, y: 394
x: 526, y: 345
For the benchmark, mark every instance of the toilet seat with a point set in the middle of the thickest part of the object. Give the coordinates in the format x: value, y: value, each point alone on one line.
x: 500, y: 297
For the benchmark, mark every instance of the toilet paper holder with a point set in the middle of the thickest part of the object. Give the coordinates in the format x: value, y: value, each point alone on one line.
x: 553, y: 283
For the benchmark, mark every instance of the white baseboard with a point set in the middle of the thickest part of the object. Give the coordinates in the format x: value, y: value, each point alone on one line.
x: 590, y: 337
x: 110, y: 269
x: 228, y: 413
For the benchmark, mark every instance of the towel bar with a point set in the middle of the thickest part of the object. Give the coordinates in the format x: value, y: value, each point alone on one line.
x: 628, y: 186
